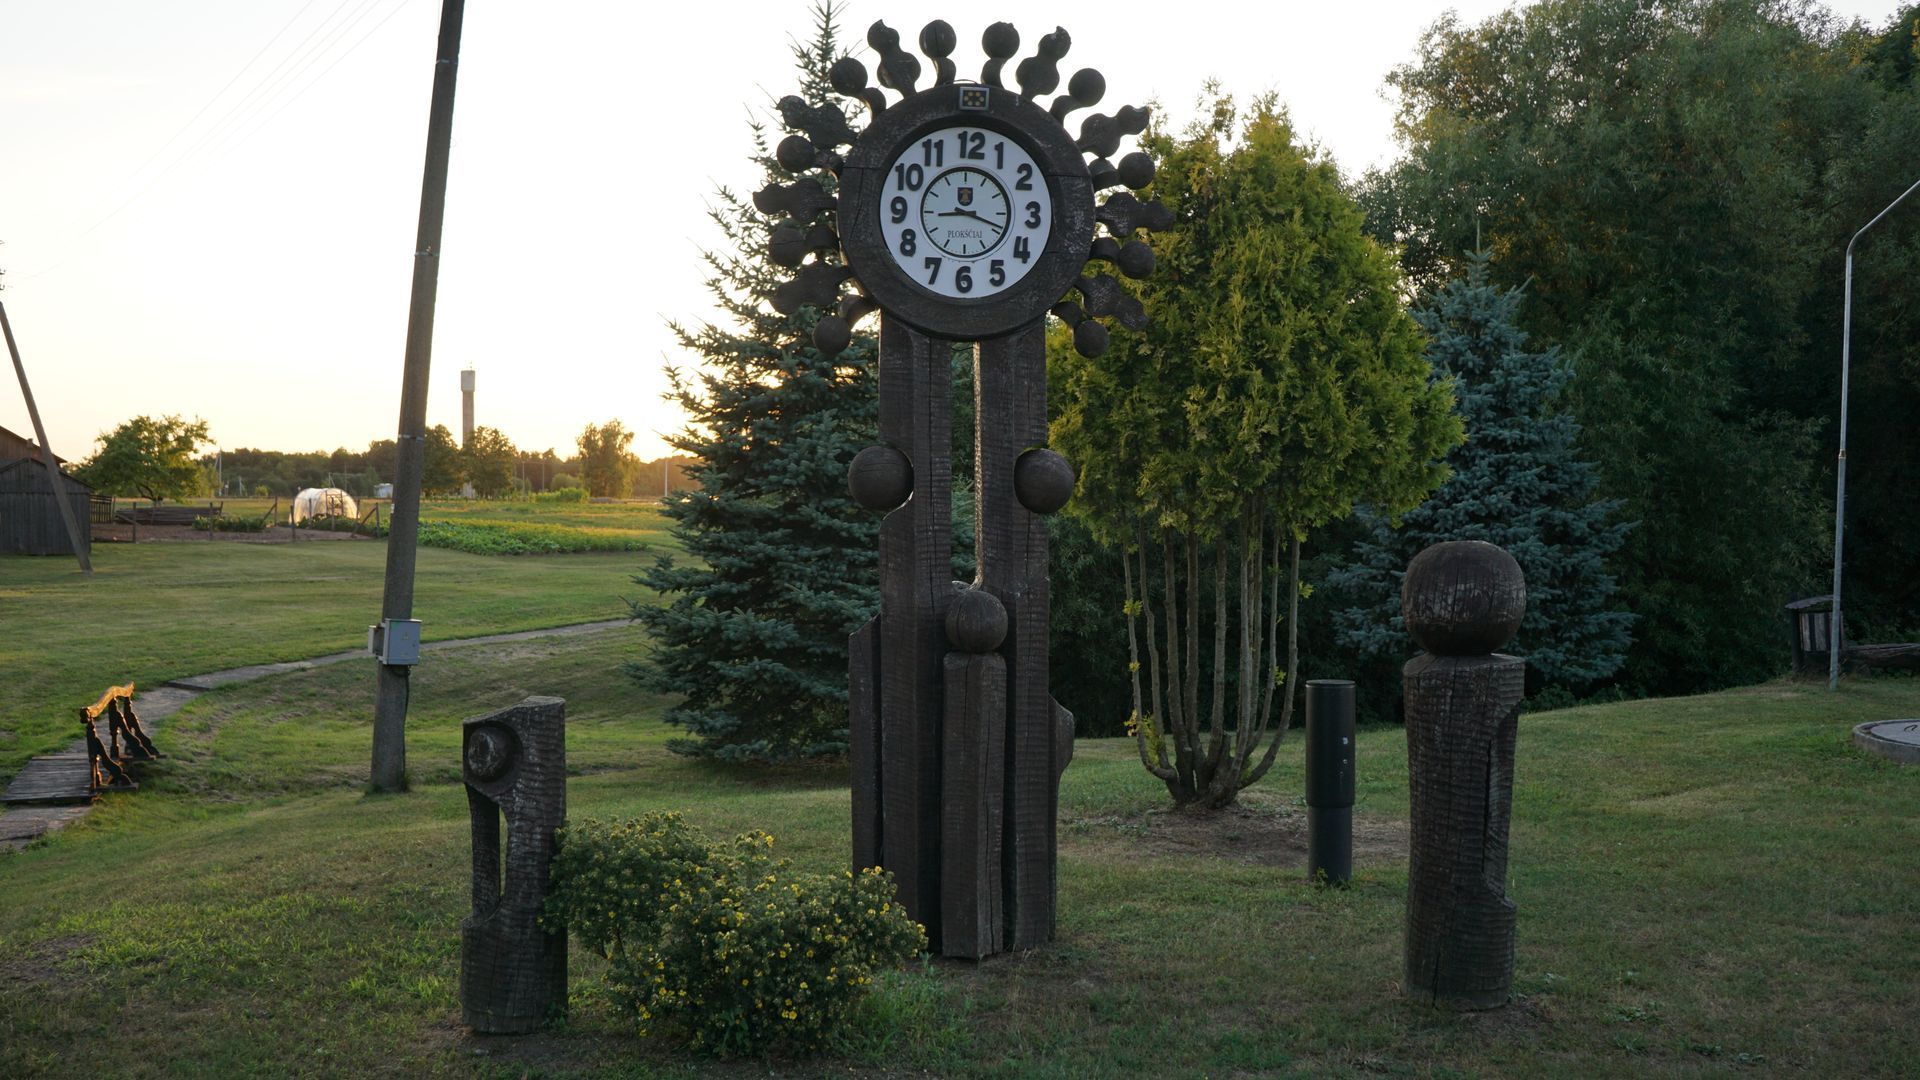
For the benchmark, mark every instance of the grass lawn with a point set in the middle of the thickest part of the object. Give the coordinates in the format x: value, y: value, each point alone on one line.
x: 1706, y: 886
x: 158, y: 611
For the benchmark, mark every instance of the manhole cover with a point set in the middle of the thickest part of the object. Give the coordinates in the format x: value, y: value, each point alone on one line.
x: 1896, y: 739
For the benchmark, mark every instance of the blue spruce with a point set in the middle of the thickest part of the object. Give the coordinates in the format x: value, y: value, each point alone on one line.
x: 1519, y: 482
x: 752, y: 637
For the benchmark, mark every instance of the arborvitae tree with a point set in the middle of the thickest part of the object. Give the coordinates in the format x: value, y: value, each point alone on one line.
x: 784, y: 563
x: 1518, y: 481
x: 1279, y: 383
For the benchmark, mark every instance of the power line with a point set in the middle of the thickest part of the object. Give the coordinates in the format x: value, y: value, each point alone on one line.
x: 316, y: 80
x: 274, y: 86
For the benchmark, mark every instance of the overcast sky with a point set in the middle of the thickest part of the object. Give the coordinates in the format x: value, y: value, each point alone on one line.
x: 209, y: 208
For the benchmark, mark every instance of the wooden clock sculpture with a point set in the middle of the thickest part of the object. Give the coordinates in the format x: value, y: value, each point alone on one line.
x: 965, y: 212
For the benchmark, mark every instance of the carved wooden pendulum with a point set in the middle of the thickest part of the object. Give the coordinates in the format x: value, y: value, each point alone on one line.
x: 513, y: 973
x: 1461, y: 600
x: 964, y: 212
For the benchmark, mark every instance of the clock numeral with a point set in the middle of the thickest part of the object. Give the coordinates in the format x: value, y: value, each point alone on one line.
x: 933, y: 269
x: 898, y: 207
x: 997, y: 272
x: 1025, y: 183
x: 909, y: 176
x: 933, y: 152
x: 973, y: 146
x: 909, y: 243
x: 1033, y: 215
x: 1020, y: 249
x: 963, y: 278
x: 999, y: 155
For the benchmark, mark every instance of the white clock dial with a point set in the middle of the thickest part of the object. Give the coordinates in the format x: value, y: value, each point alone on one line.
x: 965, y: 212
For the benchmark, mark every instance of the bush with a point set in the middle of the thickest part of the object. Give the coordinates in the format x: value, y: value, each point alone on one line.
x: 524, y: 539
x: 562, y: 495
x: 342, y: 523
x: 566, y: 480
x: 223, y: 523
x: 723, y: 944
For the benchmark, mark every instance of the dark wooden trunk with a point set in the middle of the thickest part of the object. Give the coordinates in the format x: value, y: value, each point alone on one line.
x: 1010, y: 544
x: 513, y: 972
x: 1462, y: 716
x: 957, y: 746
x: 916, y: 583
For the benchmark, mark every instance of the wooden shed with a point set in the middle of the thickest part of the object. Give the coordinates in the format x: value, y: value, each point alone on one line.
x: 29, y: 518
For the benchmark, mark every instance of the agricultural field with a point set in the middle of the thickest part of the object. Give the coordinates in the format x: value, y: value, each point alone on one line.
x: 1705, y: 885
x: 153, y: 612
x: 535, y: 526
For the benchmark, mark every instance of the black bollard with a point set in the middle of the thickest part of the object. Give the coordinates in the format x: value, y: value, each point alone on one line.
x: 1330, y: 780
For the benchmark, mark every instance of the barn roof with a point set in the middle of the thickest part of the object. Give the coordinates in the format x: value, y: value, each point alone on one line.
x: 18, y: 446
x: 16, y: 466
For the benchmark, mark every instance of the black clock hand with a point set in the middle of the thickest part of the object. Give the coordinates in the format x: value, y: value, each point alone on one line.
x: 964, y: 213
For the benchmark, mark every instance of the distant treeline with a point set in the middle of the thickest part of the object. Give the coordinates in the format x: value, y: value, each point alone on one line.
x: 249, y: 471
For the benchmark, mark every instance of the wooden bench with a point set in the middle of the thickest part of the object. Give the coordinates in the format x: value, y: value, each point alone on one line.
x: 93, y: 765
x: 106, y: 761
x: 1893, y: 656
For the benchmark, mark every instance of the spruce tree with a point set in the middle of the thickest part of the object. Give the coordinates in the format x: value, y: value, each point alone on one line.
x: 1518, y: 481
x: 753, y: 636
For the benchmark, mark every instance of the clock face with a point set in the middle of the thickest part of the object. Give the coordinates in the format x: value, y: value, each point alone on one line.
x: 965, y: 212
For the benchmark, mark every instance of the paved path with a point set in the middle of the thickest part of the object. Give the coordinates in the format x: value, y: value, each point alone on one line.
x: 21, y: 825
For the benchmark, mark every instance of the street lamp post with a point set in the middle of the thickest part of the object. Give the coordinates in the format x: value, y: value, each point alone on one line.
x: 1834, y: 639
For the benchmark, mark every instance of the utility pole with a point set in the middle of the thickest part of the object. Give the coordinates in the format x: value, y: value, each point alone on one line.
x: 46, y: 451
x: 1835, y: 635
x: 390, y: 697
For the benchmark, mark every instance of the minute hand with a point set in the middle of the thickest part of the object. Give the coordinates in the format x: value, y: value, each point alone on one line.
x: 964, y: 213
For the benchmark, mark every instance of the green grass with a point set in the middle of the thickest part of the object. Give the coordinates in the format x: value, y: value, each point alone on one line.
x: 1706, y: 886
x: 153, y: 612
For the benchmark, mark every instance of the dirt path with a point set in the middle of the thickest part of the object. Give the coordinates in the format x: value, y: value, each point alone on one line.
x: 21, y: 825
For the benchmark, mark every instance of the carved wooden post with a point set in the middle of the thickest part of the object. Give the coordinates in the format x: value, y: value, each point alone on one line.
x: 513, y: 974
x: 1461, y: 600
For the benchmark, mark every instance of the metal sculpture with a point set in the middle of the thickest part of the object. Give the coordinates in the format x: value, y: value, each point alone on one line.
x: 513, y: 973
x: 966, y: 212
x: 1461, y: 601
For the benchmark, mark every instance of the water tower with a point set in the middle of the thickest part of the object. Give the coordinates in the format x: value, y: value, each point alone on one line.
x: 466, y: 407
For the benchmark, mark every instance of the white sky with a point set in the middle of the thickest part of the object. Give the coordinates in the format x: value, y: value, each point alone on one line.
x: 254, y: 270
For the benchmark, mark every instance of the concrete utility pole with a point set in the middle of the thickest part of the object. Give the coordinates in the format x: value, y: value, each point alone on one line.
x: 1835, y: 637
x: 390, y: 696
x: 46, y: 451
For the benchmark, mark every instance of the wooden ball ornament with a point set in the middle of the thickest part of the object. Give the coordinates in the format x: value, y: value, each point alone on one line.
x: 1463, y: 598
x: 976, y: 621
x: 1042, y: 479
x: 880, y: 478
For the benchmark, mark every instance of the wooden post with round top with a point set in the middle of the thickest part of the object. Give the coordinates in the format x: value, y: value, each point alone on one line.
x: 1462, y: 600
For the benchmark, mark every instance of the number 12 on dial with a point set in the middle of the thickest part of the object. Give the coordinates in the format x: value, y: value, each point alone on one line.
x: 964, y: 212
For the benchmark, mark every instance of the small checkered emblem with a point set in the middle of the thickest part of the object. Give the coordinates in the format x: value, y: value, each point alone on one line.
x: 973, y: 98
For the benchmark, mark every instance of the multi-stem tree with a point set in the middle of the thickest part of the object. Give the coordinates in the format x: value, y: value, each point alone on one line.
x: 1280, y: 382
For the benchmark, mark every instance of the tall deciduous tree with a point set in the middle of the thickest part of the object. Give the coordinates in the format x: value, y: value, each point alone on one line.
x: 1280, y: 382
x: 1518, y: 481
x: 606, y: 464
x: 154, y: 459
x: 754, y: 634
x: 441, y: 470
x: 488, y: 461
x: 1665, y: 176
